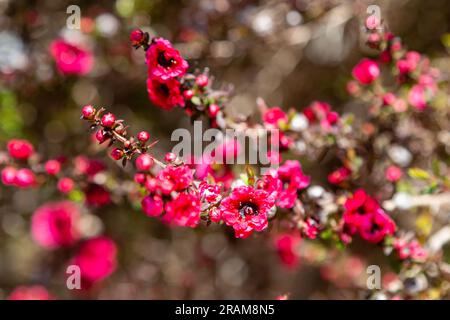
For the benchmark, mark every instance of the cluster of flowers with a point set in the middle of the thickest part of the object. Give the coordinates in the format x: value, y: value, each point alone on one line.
x: 183, y: 194
x: 169, y: 85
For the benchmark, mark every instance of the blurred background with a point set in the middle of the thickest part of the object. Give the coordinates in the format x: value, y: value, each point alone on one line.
x: 290, y: 53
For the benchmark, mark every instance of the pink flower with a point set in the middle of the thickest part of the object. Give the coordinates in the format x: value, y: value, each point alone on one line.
x: 52, y: 167
x: 24, y: 178
x: 275, y: 117
x: 174, y: 178
x: 65, y: 185
x: 246, y: 209
x: 97, y: 259
x: 97, y: 195
x: 292, y: 179
x: 363, y: 214
x: 412, y: 249
x: 9, y: 176
x: 164, y: 62
x: 89, y: 167
x: 417, y: 97
x: 286, y: 246
x: 165, y: 94
x: 55, y: 225
x: 409, y: 63
x: 340, y: 175
x: 376, y: 226
x: 20, y: 149
x: 183, y: 211
x: 152, y: 205
x: 320, y: 112
x: 366, y: 71
x: 35, y: 292
x: 71, y: 59
x: 393, y: 173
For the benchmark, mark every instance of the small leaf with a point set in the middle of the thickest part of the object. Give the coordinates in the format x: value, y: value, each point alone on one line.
x: 196, y: 101
x: 418, y: 173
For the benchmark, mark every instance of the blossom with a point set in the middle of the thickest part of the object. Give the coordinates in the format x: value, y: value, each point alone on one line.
x: 417, y: 97
x: 165, y: 94
x: 286, y: 246
x: 163, y: 61
x: 340, y: 175
x: 364, y: 215
x: 55, y: 225
x: 152, y: 205
x: 71, y: 59
x: 24, y: 178
x: 184, y: 210
x: 97, y: 195
x: 97, y: 259
x: 36, y: 292
x: 310, y: 228
x: 8, y: 176
x: 174, y: 178
x: 20, y: 149
x: 366, y: 71
x: 246, y: 209
x: 320, y: 112
x: 393, y: 173
x: 275, y: 117
x: 411, y: 249
x: 292, y: 179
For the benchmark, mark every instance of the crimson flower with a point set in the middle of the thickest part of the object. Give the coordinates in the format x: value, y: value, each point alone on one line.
x: 71, y: 59
x: 246, y: 209
x: 165, y: 94
x: 184, y: 210
x: 174, y: 178
x: 164, y: 62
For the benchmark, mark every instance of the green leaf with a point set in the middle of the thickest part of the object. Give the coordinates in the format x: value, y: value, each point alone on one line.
x: 418, y: 173
x: 76, y: 196
x: 196, y: 101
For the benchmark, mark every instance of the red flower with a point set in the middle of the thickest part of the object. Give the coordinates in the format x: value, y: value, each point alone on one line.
x: 164, y: 62
x: 96, y: 195
x: 246, y: 209
x: 310, y: 228
x: 174, y: 178
x: 286, y: 246
x: 363, y: 214
x: 320, y: 112
x: 393, y: 173
x: 55, y: 224
x: 165, y: 94
x: 274, y: 117
x: 30, y: 293
x: 366, y: 71
x: 24, y: 178
x: 292, y: 179
x: 340, y: 175
x: 183, y: 211
x: 20, y: 149
x: 96, y: 259
x: 152, y: 205
x: 71, y: 59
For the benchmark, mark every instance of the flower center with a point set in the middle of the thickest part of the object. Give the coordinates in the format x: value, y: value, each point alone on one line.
x: 248, y: 208
x: 163, y: 61
x: 163, y: 90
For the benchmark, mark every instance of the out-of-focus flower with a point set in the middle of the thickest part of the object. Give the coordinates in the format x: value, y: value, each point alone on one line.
x: 340, y: 175
x: 393, y: 173
x: 275, y: 118
x: 71, y: 59
x: 55, y: 225
x: 97, y: 259
x: 286, y: 246
x: 20, y: 149
x: 152, y: 205
x: 24, y: 178
x: 292, y: 179
x: 35, y: 292
x: 366, y: 71
x: 246, y: 209
x: 97, y: 195
x: 363, y: 214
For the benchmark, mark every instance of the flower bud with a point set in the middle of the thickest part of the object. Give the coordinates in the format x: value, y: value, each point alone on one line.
x: 8, y: 175
x: 144, y: 162
x: 88, y: 112
x: 202, y: 80
x: 65, y: 185
x: 52, y: 167
x: 108, y: 120
x: 213, y: 110
x: 143, y: 136
x: 116, y: 154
